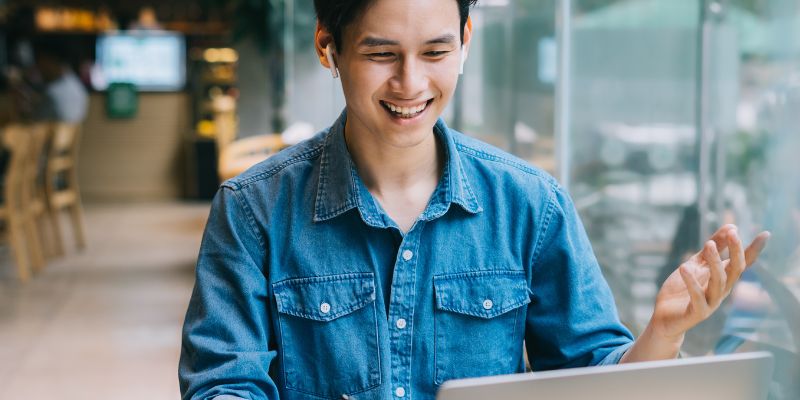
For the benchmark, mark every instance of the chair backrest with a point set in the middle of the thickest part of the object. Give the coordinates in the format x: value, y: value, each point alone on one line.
x: 16, y: 141
x: 65, y: 140
x: 33, y: 169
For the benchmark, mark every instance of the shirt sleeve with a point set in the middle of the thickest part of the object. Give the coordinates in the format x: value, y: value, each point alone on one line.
x: 225, y: 350
x: 572, y: 320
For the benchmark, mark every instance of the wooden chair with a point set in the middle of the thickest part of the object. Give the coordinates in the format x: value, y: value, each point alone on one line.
x: 16, y: 140
x: 61, y: 182
x: 33, y: 196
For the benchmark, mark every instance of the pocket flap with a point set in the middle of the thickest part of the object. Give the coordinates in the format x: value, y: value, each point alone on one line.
x: 324, y: 298
x: 482, y: 294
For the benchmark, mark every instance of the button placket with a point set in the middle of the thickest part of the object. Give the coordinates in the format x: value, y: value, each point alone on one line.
x: 402, y: 312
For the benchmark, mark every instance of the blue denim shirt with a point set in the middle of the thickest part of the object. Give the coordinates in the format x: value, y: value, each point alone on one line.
x: 306, y: 289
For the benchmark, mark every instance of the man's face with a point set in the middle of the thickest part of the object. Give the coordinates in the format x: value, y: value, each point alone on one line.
x: 399, y: 68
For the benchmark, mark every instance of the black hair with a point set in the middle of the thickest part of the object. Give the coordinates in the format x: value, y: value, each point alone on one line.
x: 54, y: 48
x: 335, y: 15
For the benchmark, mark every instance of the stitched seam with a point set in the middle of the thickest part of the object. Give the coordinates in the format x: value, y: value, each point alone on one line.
x: 322, y: 184
x: 326, y: 278
x: 346, y: 206
x: 476, y: 274
x: 551, y: 210
x: 251, y: 224
x: 283, y: 350
x: 357, y: 306
x: 501, y: 311
x: 483, y: 155
x: 319, y: 396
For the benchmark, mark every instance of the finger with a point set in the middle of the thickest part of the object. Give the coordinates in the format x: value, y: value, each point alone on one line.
x: 720, y: 236
x: 737, y: 265
x: 755, y: 248
x: 696, y: 295
x: 717, y: 278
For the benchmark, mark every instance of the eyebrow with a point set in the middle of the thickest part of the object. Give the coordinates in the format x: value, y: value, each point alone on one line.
x: 371, y: 41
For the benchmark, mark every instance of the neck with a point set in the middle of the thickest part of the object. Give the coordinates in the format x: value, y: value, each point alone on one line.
x: 387, y: 169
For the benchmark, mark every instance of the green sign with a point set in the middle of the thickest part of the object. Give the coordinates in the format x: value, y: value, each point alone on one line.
x: 122, y: 100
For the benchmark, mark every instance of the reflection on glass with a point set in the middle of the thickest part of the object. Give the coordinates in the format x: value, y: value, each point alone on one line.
x: 510, y: 103
x: 683, y: 116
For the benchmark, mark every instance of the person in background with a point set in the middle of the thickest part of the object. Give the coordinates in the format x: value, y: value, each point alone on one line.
x: 61, y: 96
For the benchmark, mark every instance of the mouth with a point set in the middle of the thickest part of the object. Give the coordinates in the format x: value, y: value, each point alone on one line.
x: 405, y: 112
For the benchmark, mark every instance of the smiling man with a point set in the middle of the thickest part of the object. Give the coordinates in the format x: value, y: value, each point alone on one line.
x: 390, y: 253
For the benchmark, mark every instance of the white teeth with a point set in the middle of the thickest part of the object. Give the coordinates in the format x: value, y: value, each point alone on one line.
x: 406, y: 111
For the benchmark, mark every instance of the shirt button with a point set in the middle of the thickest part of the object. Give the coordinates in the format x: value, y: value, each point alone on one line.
x: 345, y: 397
x: 400, y: 392
x: 407, y: 255
x: 325, y: 308
x: 401, y: 323
x: 487, y: 304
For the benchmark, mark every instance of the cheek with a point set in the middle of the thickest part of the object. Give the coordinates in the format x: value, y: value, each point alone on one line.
x: 447, y: 82
x: 360, y: 83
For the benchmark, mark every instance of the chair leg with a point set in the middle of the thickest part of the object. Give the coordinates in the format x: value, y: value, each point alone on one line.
x: 34, y: 244
x: 15, y: 235
x: 55, y: 224
x: 49, y: 236
x: 76, y: 212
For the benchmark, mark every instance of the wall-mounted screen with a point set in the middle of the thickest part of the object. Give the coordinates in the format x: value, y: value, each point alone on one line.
x: 153, y: 61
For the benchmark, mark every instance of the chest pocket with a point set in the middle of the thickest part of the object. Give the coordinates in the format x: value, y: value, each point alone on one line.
x: 329, y: 334
x: 479, y: 323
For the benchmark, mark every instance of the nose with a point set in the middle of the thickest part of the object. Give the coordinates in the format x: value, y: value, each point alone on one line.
x: 410, y: 78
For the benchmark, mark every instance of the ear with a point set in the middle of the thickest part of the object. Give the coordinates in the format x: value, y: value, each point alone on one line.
x: 467, y: 38
x: 322, y: 38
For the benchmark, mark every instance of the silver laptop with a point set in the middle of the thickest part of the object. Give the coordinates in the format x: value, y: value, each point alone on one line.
x: 744, y: 376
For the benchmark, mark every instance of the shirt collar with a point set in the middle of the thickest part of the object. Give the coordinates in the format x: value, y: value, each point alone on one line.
x: 340, y: 188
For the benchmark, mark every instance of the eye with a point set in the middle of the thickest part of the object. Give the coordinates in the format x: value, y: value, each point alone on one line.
x: 436, y: 53
x: 380, y: 56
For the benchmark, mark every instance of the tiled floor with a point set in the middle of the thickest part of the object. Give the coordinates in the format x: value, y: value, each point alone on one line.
x: 104, y: 323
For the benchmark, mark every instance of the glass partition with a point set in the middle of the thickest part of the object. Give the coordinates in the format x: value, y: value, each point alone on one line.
x: 631, y: 139
x: 312, y: 96
x: 506, y: 96
x: 675, y: 118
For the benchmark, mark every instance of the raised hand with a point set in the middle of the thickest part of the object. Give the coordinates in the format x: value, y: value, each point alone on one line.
x: 697, y: 288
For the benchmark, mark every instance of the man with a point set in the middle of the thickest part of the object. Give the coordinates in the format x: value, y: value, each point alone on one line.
x: 389, y: 254
x: 63, y: 97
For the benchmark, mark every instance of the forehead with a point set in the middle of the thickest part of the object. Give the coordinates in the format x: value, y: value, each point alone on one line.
x: 406, y: 19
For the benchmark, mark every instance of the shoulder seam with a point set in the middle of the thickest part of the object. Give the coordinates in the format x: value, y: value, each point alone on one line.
x: 551, y: 206
x: 251, y: 223
x: 486, y: 156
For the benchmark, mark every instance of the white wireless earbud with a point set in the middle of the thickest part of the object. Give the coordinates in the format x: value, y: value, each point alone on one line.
x: 331, y: 61
x: 462, y: 60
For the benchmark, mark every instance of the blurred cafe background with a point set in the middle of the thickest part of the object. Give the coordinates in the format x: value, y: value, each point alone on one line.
x: 663, y: 118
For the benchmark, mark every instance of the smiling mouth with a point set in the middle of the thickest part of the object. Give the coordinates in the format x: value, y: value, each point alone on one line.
x: 405, y: 112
